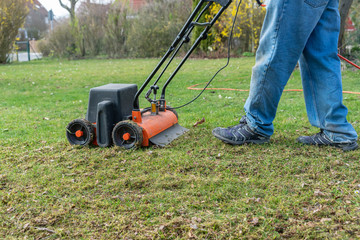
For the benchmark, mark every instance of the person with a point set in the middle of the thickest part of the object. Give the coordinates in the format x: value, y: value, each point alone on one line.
x: 304, y: 31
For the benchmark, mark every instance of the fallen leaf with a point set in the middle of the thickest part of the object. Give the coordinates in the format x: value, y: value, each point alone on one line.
x: 325, y: 220
x: 26, y: 225
x: 253, y: 200
x: 199, y: 122
x: 317, y: 192
x: 44, y: 229
x: 193, y: 226
x: 255, y: 221
x: 11, y: 209
x: 195, y: 219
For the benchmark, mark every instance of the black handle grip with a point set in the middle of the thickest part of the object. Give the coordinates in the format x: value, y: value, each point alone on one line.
x: 154, y: 88
x: 259, y: 2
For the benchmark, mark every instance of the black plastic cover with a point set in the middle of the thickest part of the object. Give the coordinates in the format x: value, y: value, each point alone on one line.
x: 120, y: 95
x: 108, y: 105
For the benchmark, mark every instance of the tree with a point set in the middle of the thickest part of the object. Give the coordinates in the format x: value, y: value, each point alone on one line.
x: 70, y: 9
x: 12, y: 17
x: 353, y: 37
x: 247, y: 26
x: 344, y: 8
x: 92, y: 21
x: 156, y: 26
x: 77, y: 47
x: 117, y: 29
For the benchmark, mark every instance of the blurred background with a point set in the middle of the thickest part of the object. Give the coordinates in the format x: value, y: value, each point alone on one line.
x: 78, y: 29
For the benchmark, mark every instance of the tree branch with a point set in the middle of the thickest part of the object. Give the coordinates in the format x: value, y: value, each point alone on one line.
x: 64, y: 6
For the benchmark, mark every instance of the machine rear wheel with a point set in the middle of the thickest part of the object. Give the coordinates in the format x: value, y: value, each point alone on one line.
x: 80, y: 132
x: 127, y: 134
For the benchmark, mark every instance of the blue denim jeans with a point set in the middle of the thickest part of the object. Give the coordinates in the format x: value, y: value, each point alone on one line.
x: 306, y: 31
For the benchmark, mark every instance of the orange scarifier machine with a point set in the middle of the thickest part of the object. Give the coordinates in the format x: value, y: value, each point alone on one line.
x: 114, y: 115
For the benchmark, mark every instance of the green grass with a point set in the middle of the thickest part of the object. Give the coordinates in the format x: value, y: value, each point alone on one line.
x: 195, y: 188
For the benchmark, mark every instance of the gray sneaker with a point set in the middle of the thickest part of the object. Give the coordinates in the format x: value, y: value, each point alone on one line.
x: 320, y: 139
x: 239, y: 134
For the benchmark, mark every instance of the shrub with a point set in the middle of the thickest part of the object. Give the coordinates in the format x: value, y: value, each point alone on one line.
x: 205, y: 45
x: 12, y: 17
x: 44, y: 47
x: 248, y: 54
x: 92, y: 20
x: 117, y: 29
x: 156, y: 26
x: 61, y: 41
x: 247, y: 28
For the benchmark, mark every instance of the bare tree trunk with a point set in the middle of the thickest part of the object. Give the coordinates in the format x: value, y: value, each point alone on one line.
x: 344, y: 12
x: 70, y: 9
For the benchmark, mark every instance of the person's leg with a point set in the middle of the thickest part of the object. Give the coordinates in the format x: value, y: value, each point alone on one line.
x: 321, y: 77
x: 287, y: 27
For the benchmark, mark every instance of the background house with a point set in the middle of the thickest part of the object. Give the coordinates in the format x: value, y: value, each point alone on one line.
x: 99, y: 8
x: 37, y: 21
x: 137, y: 4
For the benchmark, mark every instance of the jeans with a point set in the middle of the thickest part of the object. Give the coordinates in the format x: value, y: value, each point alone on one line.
x: 306, y: 31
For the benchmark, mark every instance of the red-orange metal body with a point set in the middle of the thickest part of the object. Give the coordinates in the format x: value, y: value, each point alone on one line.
x: 153, y: 124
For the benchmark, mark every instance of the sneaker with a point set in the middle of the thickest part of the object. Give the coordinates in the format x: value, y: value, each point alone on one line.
x: 239, y: 134
x: 321, y: 139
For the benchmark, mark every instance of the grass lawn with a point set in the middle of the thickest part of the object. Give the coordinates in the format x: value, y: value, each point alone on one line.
x: 195, y: 188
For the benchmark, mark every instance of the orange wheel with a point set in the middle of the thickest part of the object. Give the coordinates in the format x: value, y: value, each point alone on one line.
x: 80, y: 132
x: 127, y: 134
